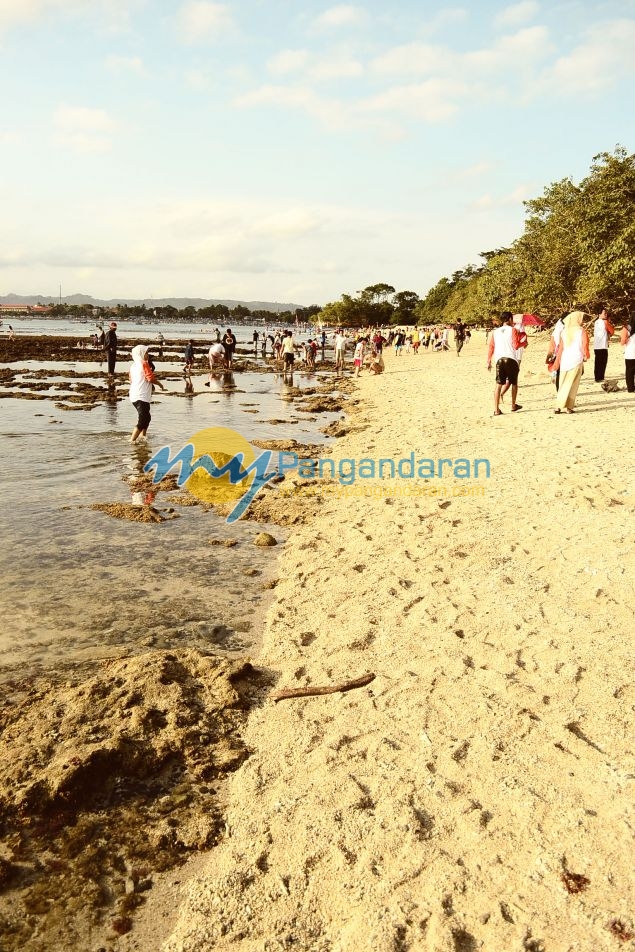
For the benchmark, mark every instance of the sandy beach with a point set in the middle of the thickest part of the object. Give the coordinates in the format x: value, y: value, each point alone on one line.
x: 478, y: 793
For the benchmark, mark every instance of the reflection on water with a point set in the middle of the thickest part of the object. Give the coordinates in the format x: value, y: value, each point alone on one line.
x: 78, y: 584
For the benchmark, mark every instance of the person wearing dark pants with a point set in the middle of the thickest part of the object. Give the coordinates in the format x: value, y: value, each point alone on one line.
x: 459, y: 336
x: 627, y: 341
x: 142, y: 381
x: 602, y: 331
x: 110, y: 346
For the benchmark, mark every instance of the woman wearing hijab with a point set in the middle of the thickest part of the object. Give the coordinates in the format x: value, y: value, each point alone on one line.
x: 573, y: 350
x: 142, y: 378
x: 627, y: 341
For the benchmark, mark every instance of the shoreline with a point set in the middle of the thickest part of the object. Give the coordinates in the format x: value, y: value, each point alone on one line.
x: 475, y: 794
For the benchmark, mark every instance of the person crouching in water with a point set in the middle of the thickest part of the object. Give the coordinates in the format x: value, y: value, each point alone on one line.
x: 142, y: 378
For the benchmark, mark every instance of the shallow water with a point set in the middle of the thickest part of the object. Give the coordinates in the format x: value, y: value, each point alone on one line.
x: 79, y: 584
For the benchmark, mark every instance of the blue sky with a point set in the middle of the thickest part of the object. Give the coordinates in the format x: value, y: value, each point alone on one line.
x: 291, y: 151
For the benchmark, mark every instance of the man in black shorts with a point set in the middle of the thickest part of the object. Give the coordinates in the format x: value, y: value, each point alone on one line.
x: 503, y: 344
x: 288, y: 351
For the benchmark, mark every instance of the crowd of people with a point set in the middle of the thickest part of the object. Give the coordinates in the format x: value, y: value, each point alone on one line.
x: 569, y: 349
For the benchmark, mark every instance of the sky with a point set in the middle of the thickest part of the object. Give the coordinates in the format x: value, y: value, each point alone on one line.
x: 291, y: 150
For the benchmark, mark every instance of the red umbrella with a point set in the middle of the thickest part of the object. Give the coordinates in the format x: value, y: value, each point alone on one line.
x: 531, y: 319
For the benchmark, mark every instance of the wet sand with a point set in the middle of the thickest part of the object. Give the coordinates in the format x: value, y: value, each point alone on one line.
x: 478, y: 794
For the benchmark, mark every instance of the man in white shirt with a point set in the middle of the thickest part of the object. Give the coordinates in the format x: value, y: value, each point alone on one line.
x: 503, y: 343
x: 602, y: 330
x: 288, y: 350
x: 340, y: 350
x: 216, y: 356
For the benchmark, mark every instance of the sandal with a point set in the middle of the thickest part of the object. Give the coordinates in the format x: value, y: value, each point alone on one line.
x: 557, y: 411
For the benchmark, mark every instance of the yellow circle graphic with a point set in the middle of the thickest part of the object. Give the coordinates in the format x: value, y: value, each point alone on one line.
x: 221, y: 445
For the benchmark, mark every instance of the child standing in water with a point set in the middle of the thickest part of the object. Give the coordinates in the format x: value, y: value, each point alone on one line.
x: 142, y: 379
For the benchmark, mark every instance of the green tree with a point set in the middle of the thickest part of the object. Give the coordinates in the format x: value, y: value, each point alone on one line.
x: 405, y: 303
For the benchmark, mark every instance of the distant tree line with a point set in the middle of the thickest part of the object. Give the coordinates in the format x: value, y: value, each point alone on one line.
x: 212, y: 314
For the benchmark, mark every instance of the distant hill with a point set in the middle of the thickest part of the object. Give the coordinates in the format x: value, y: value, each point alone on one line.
x: 179, y: 303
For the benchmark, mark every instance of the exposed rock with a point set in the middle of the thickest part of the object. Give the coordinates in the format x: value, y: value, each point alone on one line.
x: 265, y: 539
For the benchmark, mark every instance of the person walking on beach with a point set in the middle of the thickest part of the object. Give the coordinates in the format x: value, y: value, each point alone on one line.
x: 503, y: 344
x: 142, y: 379
x: 340, y: 350
x: 110, y: 346
x: 288, y: 351
x: 459, y: 336
x: 358, y: 357
x: 602, y: 331
x: 573, y: 350
x: 627, y: 341
x: 553, y: 350
x: 522, y: 338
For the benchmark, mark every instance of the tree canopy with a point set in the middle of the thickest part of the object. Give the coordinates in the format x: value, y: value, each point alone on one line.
x: 577, y: 251
x: 377, y: 305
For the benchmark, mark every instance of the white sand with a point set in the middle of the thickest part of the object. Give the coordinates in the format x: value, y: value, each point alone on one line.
x: 439, y: 807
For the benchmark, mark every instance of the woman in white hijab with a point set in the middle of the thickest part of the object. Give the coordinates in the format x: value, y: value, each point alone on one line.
x: 142, y: 378
x: 573, y: 350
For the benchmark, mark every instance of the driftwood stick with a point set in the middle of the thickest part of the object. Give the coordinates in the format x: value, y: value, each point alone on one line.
x: 330, y: 689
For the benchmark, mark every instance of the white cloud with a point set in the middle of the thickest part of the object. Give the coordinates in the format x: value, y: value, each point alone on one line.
x: 199, y: 21
x: 414, y: 59
x: 125, y: 64
x: 198, y: 79
x: 339, y: 64
x: 110, y: 14
x: 605, y: 54
x: 432, y: 101
x: 10, y: 137
x: 329, y: 111
x: 83, y: 129
x: 15, y: 12
x: 339, y: 16
x: 231, y: 236
x: 516, y: 197
x: 473, y: 171
x: 516, y: 14
x: 287, y: 61
x: 448, y: 17
x: 289, y: 223
x: 336, y: 66
x: 515, y: 52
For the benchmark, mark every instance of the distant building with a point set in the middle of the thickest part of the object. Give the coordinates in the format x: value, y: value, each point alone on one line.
x: 24, y: 308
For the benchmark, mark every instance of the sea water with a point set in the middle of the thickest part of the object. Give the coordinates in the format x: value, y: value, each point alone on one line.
x: 77, y: 584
